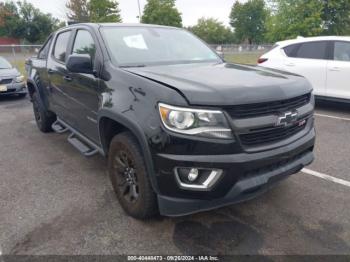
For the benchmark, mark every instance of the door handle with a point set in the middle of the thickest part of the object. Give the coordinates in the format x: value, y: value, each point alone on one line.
x: 67, y: 78
x: 50, y: 71
x: 290, y: 64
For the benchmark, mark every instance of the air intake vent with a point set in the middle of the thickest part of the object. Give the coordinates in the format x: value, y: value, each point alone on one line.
x: 269, y: 108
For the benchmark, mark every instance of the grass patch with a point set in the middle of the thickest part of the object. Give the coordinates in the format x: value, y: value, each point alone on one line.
x: 243, y: 58
x: 20, y: 66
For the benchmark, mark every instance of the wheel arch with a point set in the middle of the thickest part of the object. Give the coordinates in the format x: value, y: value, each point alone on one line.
x: 33, y: 88
x: 110, y: 124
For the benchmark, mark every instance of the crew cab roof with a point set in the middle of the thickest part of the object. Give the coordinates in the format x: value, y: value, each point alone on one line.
x: 98, y: 25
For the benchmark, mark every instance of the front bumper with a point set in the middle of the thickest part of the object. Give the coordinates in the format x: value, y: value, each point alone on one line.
x: 15, y: 89
x: 246, y: 175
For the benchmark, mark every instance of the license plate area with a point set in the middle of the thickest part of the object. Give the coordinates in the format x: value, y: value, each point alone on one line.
x: 3, y: 88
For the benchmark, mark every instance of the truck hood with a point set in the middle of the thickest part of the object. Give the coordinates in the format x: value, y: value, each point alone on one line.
x: 226, y: 84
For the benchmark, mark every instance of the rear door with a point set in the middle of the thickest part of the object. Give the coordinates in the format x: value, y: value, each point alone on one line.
x: 309, y: 60
x: 339, y: 71
x: 57, y: 71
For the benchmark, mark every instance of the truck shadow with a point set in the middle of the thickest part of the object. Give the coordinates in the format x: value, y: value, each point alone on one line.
x: 219, y: 235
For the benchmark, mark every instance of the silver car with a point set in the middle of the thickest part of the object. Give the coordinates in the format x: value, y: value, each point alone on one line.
x: 11, y: 80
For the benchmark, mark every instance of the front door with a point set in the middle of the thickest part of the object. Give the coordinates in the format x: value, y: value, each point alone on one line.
x: 84, y: 90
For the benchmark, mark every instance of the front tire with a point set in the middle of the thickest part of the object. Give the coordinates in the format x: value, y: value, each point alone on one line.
x: 43, y: 118
x: 129, y: 177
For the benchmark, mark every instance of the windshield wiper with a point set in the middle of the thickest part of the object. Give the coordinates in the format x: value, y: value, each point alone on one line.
x: 128, y: 66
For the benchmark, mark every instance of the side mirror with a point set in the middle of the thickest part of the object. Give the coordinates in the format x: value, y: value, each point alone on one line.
x: 80, y: 64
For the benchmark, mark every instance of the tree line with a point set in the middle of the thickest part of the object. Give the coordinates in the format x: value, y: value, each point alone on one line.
x: 252, y: 21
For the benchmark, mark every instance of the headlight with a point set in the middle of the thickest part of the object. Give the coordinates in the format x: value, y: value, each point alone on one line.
x: 205, y: 123
x: 19, y: 79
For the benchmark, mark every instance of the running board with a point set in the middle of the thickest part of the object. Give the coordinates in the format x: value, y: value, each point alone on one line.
x: 84, y: 145
x: 58, y: 127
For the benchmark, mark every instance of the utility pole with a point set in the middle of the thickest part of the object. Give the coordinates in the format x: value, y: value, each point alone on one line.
x: 138, y: 2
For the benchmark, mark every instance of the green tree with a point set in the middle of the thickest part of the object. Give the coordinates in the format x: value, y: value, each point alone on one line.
x: 295, y: 18
x: 11, y: 24
x: 102, y: 11
x: 37, y: 24
x: 161, y: 12
x: 249, y: 20
x: 336, y: 17
x: 23, y: 20
x: 78, y: 10
x: 212, y: 31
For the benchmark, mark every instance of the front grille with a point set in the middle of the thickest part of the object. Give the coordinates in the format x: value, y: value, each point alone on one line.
x: 269, y: 108
x: 270, y: 135
x: 6, y: 81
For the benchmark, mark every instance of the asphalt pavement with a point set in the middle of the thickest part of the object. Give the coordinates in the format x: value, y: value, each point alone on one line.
x: 55, y: 201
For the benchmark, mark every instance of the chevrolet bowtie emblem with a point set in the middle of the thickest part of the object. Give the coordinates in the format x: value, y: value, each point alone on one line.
x: 287, y: 119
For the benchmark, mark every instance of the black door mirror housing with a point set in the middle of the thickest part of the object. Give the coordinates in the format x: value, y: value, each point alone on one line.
x: 80, y: 63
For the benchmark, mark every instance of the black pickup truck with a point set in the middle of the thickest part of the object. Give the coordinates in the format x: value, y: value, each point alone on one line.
x: 183, y: 130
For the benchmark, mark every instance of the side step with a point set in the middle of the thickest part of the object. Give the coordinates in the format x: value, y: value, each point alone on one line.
x: 59, y: 128
x: 82, y: 147
x: 80, y: 142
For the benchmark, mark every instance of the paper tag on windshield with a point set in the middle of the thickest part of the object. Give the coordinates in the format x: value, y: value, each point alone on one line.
x: 135, y: 41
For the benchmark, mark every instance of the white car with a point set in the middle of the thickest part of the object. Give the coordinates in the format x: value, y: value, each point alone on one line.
x: 324, y: 61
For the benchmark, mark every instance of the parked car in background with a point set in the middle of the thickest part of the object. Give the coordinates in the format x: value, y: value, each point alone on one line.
x: 11, y: 80
x: 324, y: 61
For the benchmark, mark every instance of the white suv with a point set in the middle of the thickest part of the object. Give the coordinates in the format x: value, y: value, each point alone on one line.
x: 324, y: 61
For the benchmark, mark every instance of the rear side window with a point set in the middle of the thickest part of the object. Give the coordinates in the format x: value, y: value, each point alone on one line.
x: 84, y: 44
x: 61, y: 46
x: 342, y: 51
x: 291, y: 50
x: 311, y: 50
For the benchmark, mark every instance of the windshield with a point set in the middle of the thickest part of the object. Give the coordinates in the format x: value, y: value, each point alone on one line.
x: 142, y: 46
x: 4, y: 64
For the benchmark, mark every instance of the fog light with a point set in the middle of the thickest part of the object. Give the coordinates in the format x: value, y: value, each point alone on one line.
x: 202, y: 179
x: 193, y: 174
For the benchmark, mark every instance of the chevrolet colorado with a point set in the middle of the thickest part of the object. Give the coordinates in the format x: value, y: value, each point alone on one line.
x: 183, y: 130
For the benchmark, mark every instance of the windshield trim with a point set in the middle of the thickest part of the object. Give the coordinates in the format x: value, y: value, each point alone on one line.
x: 142, y: 64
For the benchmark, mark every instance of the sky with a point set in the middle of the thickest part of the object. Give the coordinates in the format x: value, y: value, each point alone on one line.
x: 191, y: 10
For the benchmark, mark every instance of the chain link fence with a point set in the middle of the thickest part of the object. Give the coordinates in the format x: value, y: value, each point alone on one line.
x: 17, y: 54
x: 243, y: 53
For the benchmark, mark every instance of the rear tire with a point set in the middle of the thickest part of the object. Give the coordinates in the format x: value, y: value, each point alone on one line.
x: 127, y: 171
x: 43, y: 118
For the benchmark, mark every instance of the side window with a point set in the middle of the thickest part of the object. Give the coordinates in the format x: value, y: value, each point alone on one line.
x: 84, y: 44
x: 45, y: 49
x: 291, y: 50
x: 312, y: 50
x: 342, y: 51
x: 61, y: 46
